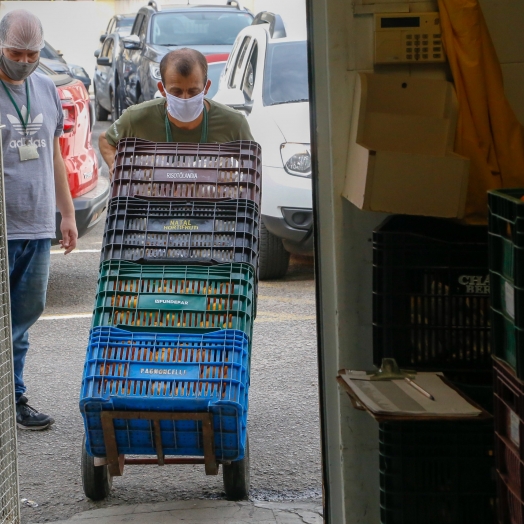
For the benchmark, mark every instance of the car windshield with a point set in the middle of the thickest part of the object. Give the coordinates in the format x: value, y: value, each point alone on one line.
x: 49, y: 52
x: 45, y: 70
x: 124, y: 23
x: 198, y: 28
x: 214, y: 71
x: 285, y: 75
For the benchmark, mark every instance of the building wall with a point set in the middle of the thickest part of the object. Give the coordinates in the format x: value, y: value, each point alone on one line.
x: 71, y: 27
x: 342, y: 43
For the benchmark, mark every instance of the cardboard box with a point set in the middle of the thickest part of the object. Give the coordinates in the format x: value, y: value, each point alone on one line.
x: 400, y: 157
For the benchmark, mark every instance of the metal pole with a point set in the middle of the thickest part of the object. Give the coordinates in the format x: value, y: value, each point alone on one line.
x: 9, y: 491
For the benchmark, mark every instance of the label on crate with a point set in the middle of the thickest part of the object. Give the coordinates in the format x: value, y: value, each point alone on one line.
x: 160, y: 370
x: 172, y: 302
x: 509, y: 299
x: 471, y: 284
x: 514, y: 428
x: 184, y: 175
x: 184, y: 225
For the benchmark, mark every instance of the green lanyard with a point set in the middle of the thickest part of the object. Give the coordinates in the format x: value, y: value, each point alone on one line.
x: 203, y: 136
x: 24, y: 124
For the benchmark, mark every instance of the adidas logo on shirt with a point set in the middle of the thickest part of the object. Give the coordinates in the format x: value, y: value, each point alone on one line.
x: 33, y: 126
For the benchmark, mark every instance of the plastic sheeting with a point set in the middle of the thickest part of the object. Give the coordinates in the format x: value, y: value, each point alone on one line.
x: 488, y: 132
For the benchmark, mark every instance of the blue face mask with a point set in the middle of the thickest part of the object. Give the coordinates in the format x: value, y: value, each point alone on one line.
x: 185, y: 109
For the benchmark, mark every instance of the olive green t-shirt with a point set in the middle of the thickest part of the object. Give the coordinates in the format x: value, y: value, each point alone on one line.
x: 147, y: 121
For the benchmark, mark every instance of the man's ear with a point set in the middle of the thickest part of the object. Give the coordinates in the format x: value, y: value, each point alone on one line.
x: 208, y: 85
x: 160, y: 86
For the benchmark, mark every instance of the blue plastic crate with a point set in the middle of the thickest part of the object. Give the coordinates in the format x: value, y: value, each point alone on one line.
x: 127, y: 371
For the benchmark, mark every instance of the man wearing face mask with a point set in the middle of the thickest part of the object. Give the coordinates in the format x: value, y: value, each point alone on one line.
x: 184, y: 115
x: 35, y: 184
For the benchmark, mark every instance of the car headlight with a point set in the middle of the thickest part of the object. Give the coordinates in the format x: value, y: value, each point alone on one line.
x: 154, y: 69
x: 78, y: 71
x: 296, y: 158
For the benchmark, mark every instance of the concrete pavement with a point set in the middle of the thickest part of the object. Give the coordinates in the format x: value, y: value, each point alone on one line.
x: 205, y: 511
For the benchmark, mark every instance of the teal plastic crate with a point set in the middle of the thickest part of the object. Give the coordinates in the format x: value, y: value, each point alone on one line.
x: 175, y: 298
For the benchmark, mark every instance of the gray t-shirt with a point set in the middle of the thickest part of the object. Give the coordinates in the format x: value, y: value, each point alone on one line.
x: 30, y: 185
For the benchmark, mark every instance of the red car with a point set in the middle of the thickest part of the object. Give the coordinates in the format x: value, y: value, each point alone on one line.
x: 89, y: 191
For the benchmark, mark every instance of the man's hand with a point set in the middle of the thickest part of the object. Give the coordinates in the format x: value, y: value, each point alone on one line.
x: 69, y: 235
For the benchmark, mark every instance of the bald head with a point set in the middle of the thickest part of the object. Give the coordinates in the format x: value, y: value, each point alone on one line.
x: 20, y: 29
x: 183, y: 62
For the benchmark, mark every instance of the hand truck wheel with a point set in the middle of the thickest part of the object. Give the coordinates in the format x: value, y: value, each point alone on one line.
x: 96, y: 480
x: 236, y: 477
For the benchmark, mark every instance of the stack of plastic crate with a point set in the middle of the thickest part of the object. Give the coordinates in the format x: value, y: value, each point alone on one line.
x: 173, y: 320
x: 431, y: 312
x: 506, y: 250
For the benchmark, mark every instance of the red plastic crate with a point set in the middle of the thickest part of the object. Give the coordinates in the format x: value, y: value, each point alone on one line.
x: 510, y: 506
x: 509, y: 407
x: 509, y: 464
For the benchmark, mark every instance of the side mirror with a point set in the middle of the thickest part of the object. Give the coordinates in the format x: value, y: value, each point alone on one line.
x: 59, y: 53
x: 102, y: 38
x: 103, y: 61
x: 235, y: 98
x: 97, y: 53
x: 132, y: 42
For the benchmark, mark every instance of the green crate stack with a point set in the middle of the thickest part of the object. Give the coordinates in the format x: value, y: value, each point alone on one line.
x: 506, y: 260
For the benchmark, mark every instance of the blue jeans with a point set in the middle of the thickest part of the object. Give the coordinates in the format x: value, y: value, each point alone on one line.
x: 28, y: 275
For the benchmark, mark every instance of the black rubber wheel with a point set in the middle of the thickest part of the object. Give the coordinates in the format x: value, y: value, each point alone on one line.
x: 101, y: 113
x: 112, y: 102
x: 96, y: 480
x: 237, y: 478
x: 273, y: 257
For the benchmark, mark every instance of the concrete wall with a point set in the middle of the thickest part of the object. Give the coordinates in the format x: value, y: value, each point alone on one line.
x: 342, y: 44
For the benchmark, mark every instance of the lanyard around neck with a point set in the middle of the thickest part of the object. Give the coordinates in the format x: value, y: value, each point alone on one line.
x: 203, y: 136
x: 24, y: 124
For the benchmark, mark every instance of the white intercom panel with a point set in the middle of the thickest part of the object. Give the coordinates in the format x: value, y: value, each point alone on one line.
x: 408, y: 38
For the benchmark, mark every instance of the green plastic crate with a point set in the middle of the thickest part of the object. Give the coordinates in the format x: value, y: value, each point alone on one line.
x: 175, y: 298
x: 506, y: 259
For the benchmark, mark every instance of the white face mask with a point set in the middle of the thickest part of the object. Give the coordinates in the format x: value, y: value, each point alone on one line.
x: 185, y: 109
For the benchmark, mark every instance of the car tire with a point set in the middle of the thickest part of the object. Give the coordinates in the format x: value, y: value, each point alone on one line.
x: 114, y: 109
x: 101, y: 113
x: 273, y: 257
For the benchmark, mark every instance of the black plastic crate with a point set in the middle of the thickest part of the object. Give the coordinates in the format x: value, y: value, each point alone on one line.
x: 164, y: 170
x: 437, y: 472
x: 506, y: 258
x: 186, y: 233
x: 431, y: 302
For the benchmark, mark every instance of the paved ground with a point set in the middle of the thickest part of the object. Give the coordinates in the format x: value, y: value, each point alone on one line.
x: 283, y: 423
x: 208, y: 511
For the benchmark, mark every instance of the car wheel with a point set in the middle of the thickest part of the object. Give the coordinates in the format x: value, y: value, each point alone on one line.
x: 273, y: 257
x: 101, y: 113
x: 114, y: 109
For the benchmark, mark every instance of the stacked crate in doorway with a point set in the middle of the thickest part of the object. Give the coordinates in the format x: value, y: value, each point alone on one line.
x: 173, y: 319
x: 431, y: 312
